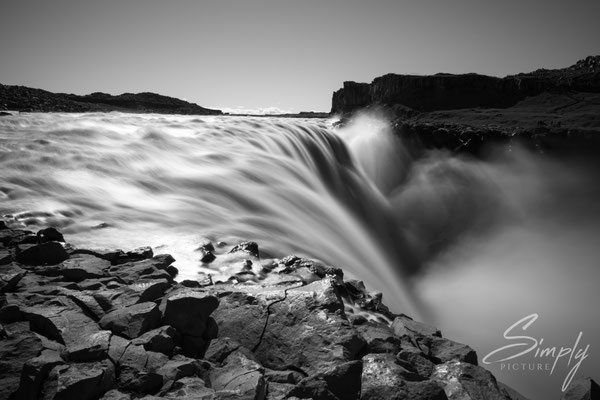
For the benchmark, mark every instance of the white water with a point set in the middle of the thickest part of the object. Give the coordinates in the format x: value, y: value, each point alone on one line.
x: 467, y: 245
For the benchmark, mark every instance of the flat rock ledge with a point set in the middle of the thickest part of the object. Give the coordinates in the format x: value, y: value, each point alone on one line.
x: 88, y: 324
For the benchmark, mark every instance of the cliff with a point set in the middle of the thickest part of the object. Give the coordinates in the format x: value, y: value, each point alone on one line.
x: 450, y: 92
x: 21, y: 98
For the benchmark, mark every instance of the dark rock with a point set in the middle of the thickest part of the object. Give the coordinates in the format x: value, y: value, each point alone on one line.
x: 176, y: 368
x: 582, y: 389
x: 90, y: 348
x: 161, y: 340
x: 188, y: 310
x: 220, y: 349
x: 313, y: 388
x: 50, y: 253
x: 406, y: 326
x: 35, y: 371
x: 441, y: 350
x: 417, y: 362
x: 150, y: 289
x: 241, y: 376
x: 206, y: 250
x: 132, y: 321
x: 64, y: 323
x: 15, y: 350
x: 383, y: 378
x: 246, y: 247
x: 50, y: 235
x: 465, y: 380
x: 287, y: 376
x: 80, y: 381
x: 131, y: 272
x: 117, y: 348
x: 288, y: 325
x: 6, y: 256
x: 77, y: 268
x: 379, y: 337
x: 190, y: 284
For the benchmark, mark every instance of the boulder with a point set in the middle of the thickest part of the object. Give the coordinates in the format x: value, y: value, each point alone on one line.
x: 132, y: 321
x: 206, y: 250
x: 384, y: 378
x: 161, y: 340
x: 178, y: 367
x: 50, y: 235
x: 91, y: 347
x: 379, y: 337
x: 132, y: 272
x: 462, y: 380
x: 50, y: 253
x: 440, y: 350
x: 10, y: 275
x: 79, y: 381
x: 406, y: 326
x: 246, y: 247
x: 115, y: 394
x: 582, y: 389
x: 239, y: 375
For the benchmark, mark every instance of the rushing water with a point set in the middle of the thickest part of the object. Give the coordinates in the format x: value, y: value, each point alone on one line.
x: 469, y: 245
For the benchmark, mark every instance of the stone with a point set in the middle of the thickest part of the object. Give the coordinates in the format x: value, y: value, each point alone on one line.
x: 240, y: 375
x: 161, y: 340
x: 15, y: 350
x: 50, y: 235
x: 220, y: 349
x: 464, y: 380
x: 80, y: 267
x: 10, y: 275
x: 132, y: 321
x: 150, y: 289
x: 406, y: 326
x: 80, y: 381
x: 383, y: 378
x: 115, y: 394
x: 35, y: 371
x: 379, y: 337
x: 189, y: 388
x: 6, y: 256
x: 64, y: 323
x: 138, y: 370
x: 246, y: 247
x: 441, y: 350
x: 582, y: 389
x: 90, y: 347
x: 176, y: 368
x: 50, y: 253
x: 206, y: 250
x: 417, y: 362
x: 117, y: 347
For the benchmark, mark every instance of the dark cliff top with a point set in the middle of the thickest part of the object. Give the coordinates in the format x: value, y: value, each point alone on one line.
x: 22, y: 98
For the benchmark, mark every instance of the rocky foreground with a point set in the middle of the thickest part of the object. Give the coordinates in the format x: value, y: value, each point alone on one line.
x: 546, y: 110
x: 90, y: 324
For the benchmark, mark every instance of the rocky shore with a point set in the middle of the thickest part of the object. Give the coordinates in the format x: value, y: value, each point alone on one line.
x: 545, y: 110
x: 95, y: 324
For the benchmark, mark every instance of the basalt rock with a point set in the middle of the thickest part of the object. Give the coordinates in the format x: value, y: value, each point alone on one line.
x: 582, y: 389
x: 91, y: 327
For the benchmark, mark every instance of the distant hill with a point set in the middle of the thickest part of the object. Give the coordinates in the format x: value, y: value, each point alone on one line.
x: 22, y: 98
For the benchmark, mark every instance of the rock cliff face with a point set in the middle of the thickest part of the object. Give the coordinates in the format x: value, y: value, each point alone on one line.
x: 21, y: 98
x: 449, y: 92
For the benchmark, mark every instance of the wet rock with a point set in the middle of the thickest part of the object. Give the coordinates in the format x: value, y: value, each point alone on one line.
x: 161, y: 340
x: 240, y: 375
x: 340, y: 382
x: 287, y: 376
x: 416, y: 361
x: 246, y: 247
x: 117, y: 347
x: 150, y: 289
x: 206, y: 250
x: 15, y: 350
x: 131, y: 272
x: 50, y: 253
x: 132, y: 321
x: 138, y: 370
x: 462, y: 380
x: 50, y: 235
x: 77, y: 268
x: 582, y: 389
x: 80, y: 381
x: 6, y: 256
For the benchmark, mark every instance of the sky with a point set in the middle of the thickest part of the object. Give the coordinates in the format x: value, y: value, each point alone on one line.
x: 280, y: 54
